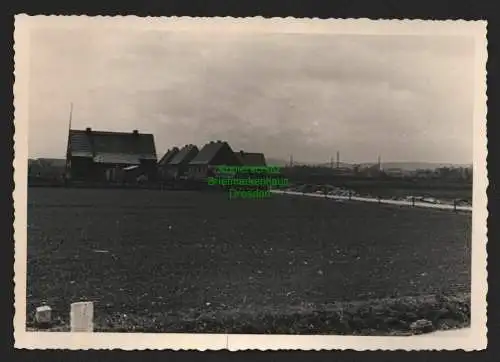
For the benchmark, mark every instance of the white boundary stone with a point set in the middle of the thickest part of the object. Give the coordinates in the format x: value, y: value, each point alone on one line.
x: 82, y: 317
x: 43, y: 314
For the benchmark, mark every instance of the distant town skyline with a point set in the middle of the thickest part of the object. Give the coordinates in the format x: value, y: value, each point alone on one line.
x: 406, y: 98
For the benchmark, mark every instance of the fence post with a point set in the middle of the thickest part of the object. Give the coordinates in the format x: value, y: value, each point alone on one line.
x: 43, y: 316
x: 82, y: 317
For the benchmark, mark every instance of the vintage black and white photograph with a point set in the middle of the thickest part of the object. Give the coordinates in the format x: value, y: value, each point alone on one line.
x: 250, y: 183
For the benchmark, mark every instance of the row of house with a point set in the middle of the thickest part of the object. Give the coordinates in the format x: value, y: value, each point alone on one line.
x: 112, y: 156
x: 193, y: 163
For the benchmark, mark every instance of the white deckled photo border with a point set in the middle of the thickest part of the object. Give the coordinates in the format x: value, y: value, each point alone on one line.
x: 473, y: 338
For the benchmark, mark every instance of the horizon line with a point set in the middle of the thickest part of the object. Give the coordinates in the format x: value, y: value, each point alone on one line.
x: 312, y: 162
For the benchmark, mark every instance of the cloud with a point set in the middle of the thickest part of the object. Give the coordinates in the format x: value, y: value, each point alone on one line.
x: 405, y: 97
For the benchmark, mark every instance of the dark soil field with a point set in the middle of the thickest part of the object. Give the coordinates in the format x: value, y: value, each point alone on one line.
x: 177, y: 261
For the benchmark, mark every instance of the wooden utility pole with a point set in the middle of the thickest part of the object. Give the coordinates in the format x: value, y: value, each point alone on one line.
x: 70, y: 114
x: 68, y: 165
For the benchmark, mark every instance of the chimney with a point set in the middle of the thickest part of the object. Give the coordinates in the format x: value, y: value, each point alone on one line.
x: 88, y: 129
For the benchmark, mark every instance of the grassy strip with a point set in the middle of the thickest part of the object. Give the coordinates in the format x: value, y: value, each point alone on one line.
x: 401, y: 316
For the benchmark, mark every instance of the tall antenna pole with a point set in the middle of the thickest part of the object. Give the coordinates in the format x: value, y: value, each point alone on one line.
x: 338, y: 159
x: 68, y: 146
x: 70, y: 114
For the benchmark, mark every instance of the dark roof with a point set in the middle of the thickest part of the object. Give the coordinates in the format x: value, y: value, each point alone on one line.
x: 112, y: 147
x: 208, y: 152
x: 251, y: 158
x: 186, y: 154
x: 168, y: 156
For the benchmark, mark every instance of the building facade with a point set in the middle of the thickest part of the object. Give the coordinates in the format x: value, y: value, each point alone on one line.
x: 251, y: 158
x: 163, y: 164
x: 103, y: 156
x: 214, y: 153
x: 178, y: 166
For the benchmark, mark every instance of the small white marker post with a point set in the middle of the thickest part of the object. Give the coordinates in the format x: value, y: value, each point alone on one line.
x: 43, y: 315
x: 82, y: 317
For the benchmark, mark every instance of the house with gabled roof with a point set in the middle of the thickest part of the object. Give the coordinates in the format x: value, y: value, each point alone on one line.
x: 99, y: 155
x: 212, y: 154
x: 178, y: 165
x: 163, y: 163
x: 251, y: 158
x: 168, y: 156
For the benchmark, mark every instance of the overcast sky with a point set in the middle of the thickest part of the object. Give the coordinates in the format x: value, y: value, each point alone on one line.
x: 407, y: 98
